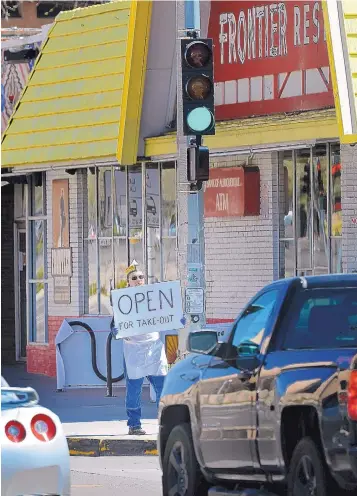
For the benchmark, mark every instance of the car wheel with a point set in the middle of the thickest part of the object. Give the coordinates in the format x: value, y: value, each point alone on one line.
x: 181, y: 473
x: 308, y: 474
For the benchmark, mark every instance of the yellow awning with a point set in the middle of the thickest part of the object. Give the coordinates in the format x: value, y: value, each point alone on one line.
x: 341, y: 30
x: 257, y: 132
x: 84, y: 96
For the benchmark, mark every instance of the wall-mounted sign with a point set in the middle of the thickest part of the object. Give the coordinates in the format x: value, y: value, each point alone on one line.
x: 61, y: 263
x: 232, y: 192
x: 269, y: 57
x: 194, y: 301
x: 62, y: 290
x: 61, y: 254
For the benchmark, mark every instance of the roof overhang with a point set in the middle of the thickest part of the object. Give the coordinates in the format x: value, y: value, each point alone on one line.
x: 83, y: 99
x: 256, y: 133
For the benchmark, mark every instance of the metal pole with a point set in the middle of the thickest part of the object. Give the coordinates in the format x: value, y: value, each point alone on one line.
x: 192, y: 240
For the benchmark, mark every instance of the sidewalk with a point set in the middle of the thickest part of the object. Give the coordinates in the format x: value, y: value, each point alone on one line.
x: 94, y: 424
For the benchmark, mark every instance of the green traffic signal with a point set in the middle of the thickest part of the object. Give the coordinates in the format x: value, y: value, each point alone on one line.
x: 197, y: 86
x: 200, y: 120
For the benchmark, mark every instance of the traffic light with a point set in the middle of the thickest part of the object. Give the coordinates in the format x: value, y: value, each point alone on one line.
x: 197, y: 87
x: 197, y: 164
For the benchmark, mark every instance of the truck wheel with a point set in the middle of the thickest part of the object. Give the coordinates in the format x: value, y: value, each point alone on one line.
x: 308, y: 474
x: 181, y: 473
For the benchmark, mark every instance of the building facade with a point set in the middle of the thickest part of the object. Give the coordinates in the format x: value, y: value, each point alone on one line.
x: 275, y: 112
x: 95, y: 178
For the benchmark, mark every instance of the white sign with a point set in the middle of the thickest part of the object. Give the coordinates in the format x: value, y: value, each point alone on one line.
x: 194, y: 300
x: 135, y: 199
x: 150, y: 308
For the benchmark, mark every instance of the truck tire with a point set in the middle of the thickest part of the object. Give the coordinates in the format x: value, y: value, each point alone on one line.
x: 308, y: 474
x: 181, y: 472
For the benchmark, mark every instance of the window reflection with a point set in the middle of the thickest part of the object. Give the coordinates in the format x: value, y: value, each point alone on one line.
x: 115, y: 215
x: 310, y: 224
x: 287, y: 258
x: 168, y: 201
x: 336, y: 224
x: 92, y: 205
x: 169, y: 259
x: 105, y: 205
x: 106, y: 274
x: 120, y: 262
x: 303, y: 210
x: 320, y: 241
x: 286, y: 189
x: 40, y: 313
x: 120, y: 210
x: 153, y: 223
x: 91, y: 248
x: 37, y: 207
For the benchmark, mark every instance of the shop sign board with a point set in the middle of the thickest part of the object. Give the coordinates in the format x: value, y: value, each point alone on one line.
x: 269, y: 57
x: 149, y: 308
x: 232, y: 192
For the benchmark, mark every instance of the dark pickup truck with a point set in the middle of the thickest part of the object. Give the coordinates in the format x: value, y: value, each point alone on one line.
x: 276, y: 403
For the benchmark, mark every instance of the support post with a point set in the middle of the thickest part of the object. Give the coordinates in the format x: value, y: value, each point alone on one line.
x: 192, y: 262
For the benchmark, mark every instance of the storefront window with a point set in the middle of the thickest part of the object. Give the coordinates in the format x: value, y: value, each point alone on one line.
x: 287, y: 221
x: 38, y: 282
x: 310, y: 211
x: 336, y: 209
x: 117, y: 233
x: 153, y: 222
x: 320, y: 223
x: 169, y: 221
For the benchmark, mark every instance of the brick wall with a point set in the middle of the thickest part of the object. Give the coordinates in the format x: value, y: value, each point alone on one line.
x: 8, y: 353
x: 41, y: 358
x: 349, y: 207
x: 242, y: 252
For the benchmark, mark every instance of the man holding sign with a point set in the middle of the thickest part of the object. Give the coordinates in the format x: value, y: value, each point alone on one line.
x: 140, y: 311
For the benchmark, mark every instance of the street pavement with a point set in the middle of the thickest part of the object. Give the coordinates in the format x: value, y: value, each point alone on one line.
x: 111, y: 476
x: 93, y: 423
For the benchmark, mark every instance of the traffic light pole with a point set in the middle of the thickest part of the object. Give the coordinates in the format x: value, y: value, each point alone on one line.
x: 195, y: 289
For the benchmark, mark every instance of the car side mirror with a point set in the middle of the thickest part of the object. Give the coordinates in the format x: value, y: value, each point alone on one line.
x: 202, y: 341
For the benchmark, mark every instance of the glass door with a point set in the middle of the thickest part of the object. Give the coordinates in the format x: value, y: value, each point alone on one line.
x: 20, y: 293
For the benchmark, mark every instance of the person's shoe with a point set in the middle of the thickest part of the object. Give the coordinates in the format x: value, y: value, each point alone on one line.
x: 136, y: 431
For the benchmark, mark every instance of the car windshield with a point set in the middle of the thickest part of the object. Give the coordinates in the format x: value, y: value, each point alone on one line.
x: 322, y: 318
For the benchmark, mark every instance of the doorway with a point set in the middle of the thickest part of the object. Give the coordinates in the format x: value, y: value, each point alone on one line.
x: 20, y: 293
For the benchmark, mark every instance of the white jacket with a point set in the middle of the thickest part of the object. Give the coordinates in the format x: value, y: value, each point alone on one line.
x: 145, y: 355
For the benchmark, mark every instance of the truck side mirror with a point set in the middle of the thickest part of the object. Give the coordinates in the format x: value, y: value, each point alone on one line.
x: 248, y: 349
x: 202, y: 341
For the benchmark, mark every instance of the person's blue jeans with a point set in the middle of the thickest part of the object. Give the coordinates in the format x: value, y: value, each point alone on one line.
x: 133, y: 397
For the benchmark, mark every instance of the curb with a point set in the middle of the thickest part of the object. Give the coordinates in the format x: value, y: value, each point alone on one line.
x: 94, y: 447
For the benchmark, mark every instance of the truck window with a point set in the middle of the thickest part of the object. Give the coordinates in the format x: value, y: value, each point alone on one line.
x: 322, y: 318
x: 252, y: 324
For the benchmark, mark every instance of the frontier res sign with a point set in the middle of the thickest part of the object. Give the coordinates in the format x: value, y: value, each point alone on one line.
x: 269, y: 57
